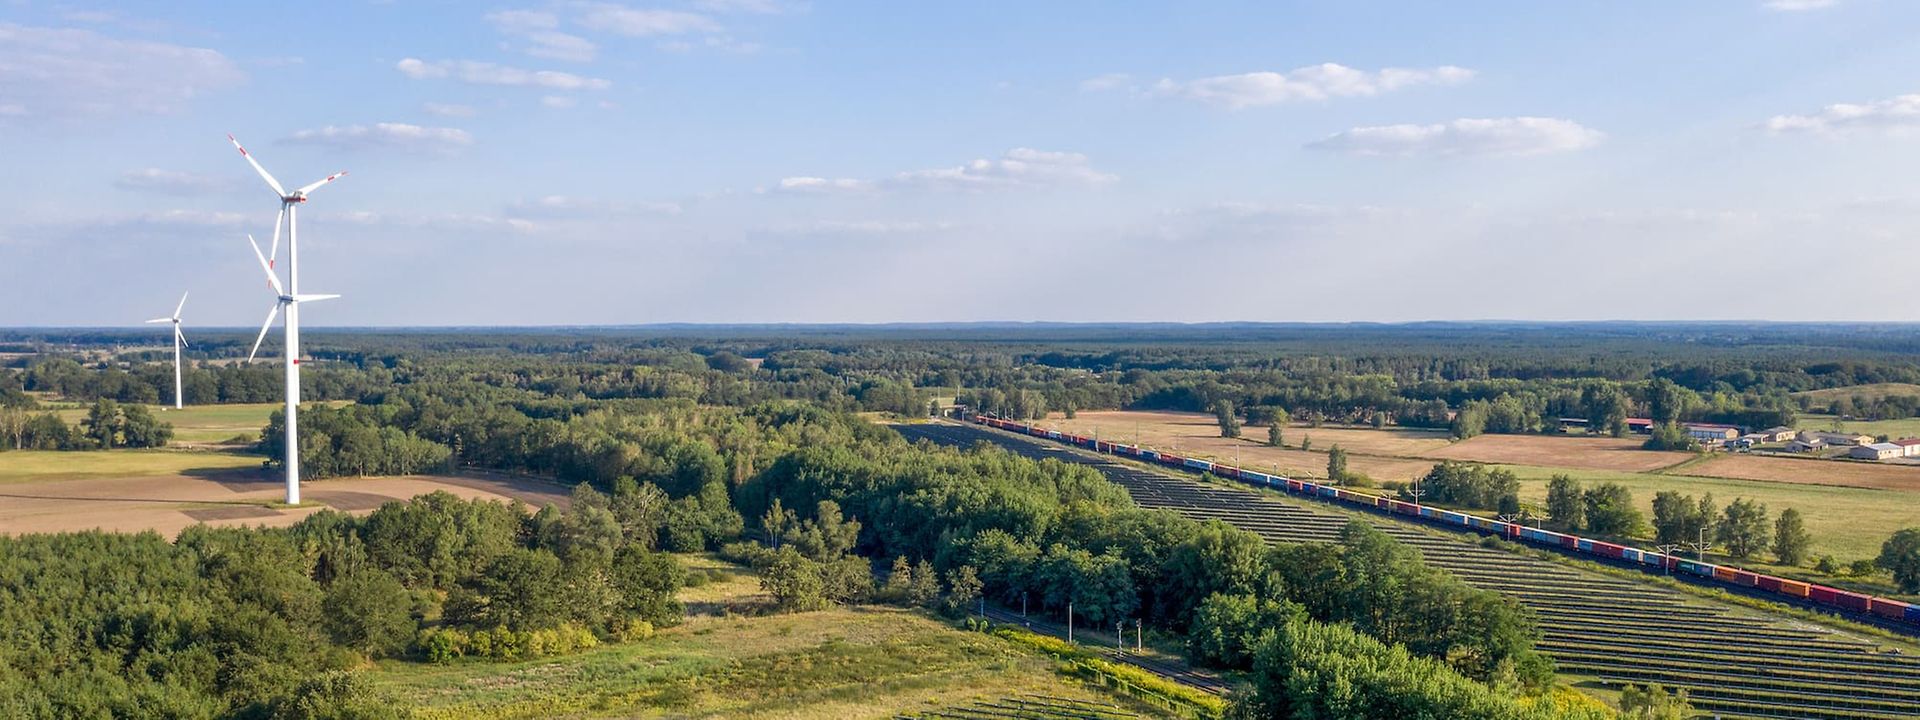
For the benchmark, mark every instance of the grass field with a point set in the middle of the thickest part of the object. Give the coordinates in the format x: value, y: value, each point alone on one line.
x: 1895, y: 429
x: 199, y: 424
x: 1847, y: 522
x: 840, y: 664
x: 1873, y: 391
x: 26, y: 466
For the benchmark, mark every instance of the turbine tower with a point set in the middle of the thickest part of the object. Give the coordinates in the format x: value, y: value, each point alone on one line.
x: 289, y: 296
x: 290, y: 301
x: 179, y: 341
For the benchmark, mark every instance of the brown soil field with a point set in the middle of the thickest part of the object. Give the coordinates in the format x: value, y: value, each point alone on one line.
x: 169, y: 503
x: 1878, y: 476
x: 1385, y: 454
x: 1591, y: 453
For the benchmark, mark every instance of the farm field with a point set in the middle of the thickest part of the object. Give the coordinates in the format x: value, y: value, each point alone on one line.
x: 202, y: 424
x: 1895, y: 429
x: 1847, y: 522
x: 1873, y: 391
x: 839, y: 664
x: 1879, y: 476
x: 26, y: 466
x: 168, y: 503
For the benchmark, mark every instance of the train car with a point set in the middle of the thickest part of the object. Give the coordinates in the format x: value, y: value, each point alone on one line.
x: 1746, y: 578
x: 1326, y: 491
x: 1296, y: 485
x: 1452, y: 518
x: 1429, y: 511
x: 1723, y: 573
x: 1654, y: 559
x: 1768, y: 583
x: 1851, y: 600
x: 1890, y: 608
x: 1199, y: 464
x: 1823, y: 594
x: 1609, y: 550
x: 1583, y: 544
x: 1227, y: 471
x: 1632, y: 554
x: 1149, y: 454
x: 1399, y: 507
x: 1913, y: 613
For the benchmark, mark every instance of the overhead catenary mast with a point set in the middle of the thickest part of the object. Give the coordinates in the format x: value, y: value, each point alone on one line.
x: 179, y: 341
x: 288, y: 296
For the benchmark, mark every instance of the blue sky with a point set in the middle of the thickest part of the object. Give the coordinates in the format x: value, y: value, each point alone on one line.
x: 767, y: 160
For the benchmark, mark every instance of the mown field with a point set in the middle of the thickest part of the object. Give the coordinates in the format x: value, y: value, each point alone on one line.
x: 200, y: 424
x: 1849, y: 507
x: 1894, y: 429
x: 27, y: 466
x: 1873, y: 391
x: 840, y: 664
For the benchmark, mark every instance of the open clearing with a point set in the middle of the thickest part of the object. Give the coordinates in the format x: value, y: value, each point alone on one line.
x: 1849, y: 507
x: 1895, y: 429
x: 1876, y: 476
x: 167, y: 503
x: 1873, y: 391
x: 18, y: 466
x: 202, y: 424
x: 840, y: 664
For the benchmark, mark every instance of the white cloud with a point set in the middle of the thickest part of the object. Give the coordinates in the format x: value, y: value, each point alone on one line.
x: 169, y: 182
x: 632, y: 22
x: 401, y: 136
x: 485, y: 73
x: 442, y: 221
x: 449, y: 110
x: 863, y: 227
x: 1466, y: 136
x: 1897, y: 115
x: 61, y: 72
x: 560, y: 102
x: 1018, y: 167
x: 752, y: 7
x: 1109, y: 81
x: 568, y: 207
x: 805, y: 184
x: 522, y: 21
x: 1314, y: 82
x: 1799, y: 5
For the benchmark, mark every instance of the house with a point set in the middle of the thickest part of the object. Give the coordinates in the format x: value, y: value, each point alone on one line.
x: 1643, y: 426
x: 1780, y: 433
x: 1711, y: 434
x: 1806, y: 446
x: 1876, y: 451
x: 1910, y: 446
x: 1835, y: 438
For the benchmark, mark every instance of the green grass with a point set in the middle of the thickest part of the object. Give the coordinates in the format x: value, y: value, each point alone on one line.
x: 839, y: 664
x: 1848, y: 523
x: 202, y: 423
x: 18, y: 466
x: 1873, y: 391
x: 1896, y: 429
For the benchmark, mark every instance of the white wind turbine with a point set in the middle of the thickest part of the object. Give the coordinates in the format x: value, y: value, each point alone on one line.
x: 289, y: 297
x: 179, y: 341
x: 291, y: 302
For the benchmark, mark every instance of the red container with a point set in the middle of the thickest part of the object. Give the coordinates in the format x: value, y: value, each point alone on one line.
x: 1852, y: 601
x: 1823, y: 594
x: 1608, y: 550
x: 1768, y: 582
x: 1890, y: 608
x: 1742, y: 577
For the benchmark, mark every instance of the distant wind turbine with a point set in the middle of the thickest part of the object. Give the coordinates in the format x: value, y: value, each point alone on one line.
x: 179, y: 341
x: 289, y: 297
x: 284, y: 299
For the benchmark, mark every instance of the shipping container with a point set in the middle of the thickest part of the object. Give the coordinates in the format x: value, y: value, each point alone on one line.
x: 1823, y: 594
x: 1583, y: 544
x: 1608, y: 550
x: 1767, y: 582
x: 1723, y: 573
x: 1743, y: 577
x: 1851, y: 600
x: 1890, y: 608
x: 1913, y: 613
x: 1795, y: 588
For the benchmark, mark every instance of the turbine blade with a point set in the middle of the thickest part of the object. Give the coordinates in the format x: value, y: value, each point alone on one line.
x: 177, y: 335
x: 272, y: 279
x: 264, y: 327
x: 181, y: 306
x: 322, y: 181
x: 277, y: 222
x: 313, y: 298
x: 264, y: 175
x: 159, y: 320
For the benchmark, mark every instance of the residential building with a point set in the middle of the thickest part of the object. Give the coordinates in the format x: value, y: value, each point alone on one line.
x: 1711, y: 434
x: 1780, y: 433
x: 1835, y: 438
x: 1911, y: 446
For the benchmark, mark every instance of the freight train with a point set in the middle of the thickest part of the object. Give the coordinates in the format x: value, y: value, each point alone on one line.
x: 1817, y: 594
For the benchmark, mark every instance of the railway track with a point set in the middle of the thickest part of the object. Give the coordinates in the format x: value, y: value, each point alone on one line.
x: 1733, y: 662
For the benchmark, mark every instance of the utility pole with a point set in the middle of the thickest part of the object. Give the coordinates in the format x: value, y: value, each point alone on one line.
x: 1139, y: 628
x: 1069, y: 621
x: 1701, y: 547
x: 1668, y: 550
x: 1120, y: 635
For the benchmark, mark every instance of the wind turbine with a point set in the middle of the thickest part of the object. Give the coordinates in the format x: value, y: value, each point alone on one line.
x: 289, y: 297
x: 179, y: 341
x: 284, y: 299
